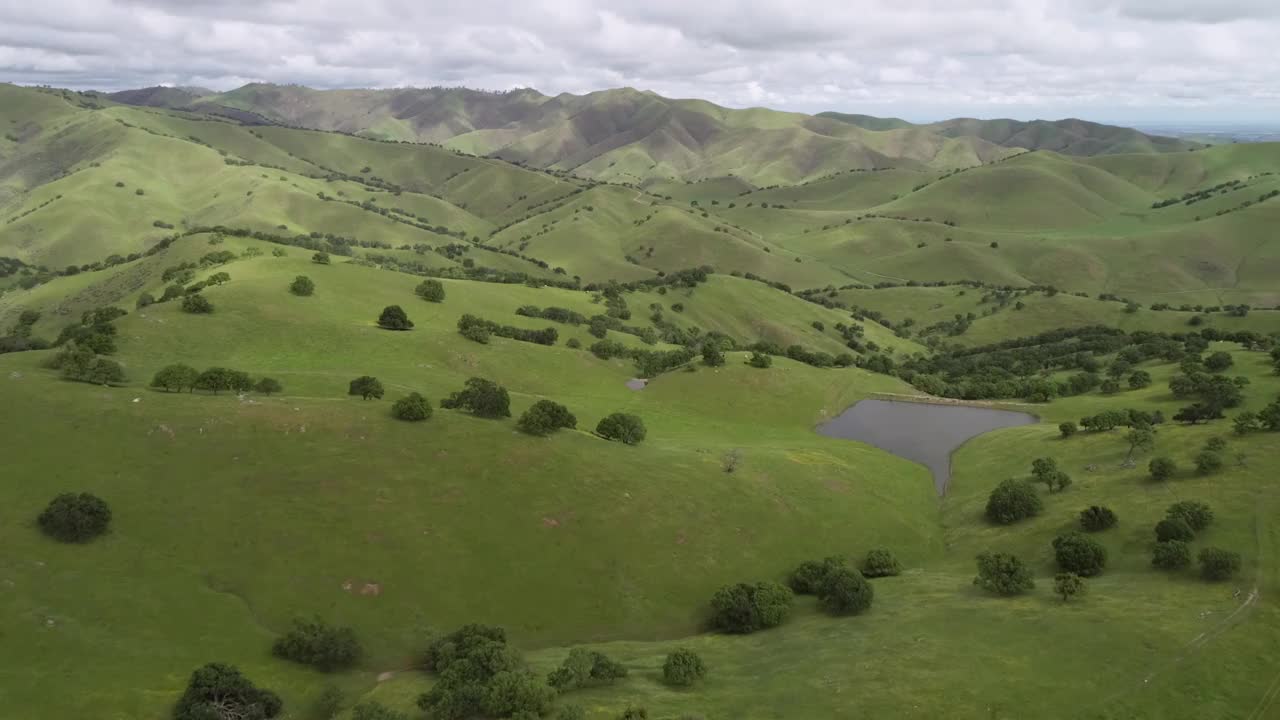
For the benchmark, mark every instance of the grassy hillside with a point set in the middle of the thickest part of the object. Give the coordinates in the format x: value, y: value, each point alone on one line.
x: 628, y: 135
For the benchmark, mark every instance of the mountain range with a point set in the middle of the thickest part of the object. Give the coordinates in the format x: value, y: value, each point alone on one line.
x: 628, y: 135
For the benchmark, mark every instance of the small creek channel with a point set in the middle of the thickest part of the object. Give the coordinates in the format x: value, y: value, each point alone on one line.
x: 926, y: 433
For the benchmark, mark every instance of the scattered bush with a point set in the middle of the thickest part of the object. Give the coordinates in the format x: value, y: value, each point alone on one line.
x: 683, y: 668
x: 411, y: 408
x: 1013, y: 500
x: 220, y: 692
x: 712, y: 356
x: 583, y: 668
x: 845, y: 592
x: 1161, y: 468
x: 302, y: 286
x: 1171, y: 555
x: 1067, y: 429
x: 1096, y: 518
x: 1208, y: 462
x: 323, y: 647
x: 1003, y: 574
x: 393, y: 317
x: 321, y: 258
x: 268, y: 386
x: 546, y: 417
x: 1196, y: 515
x: 623, y: 427
x: 1068, y: 585
x: 1218, y: 564
x: 1174, y: 529
x: 430, y: 290
x: 366, y: 386
x: 807, y: 578
x: 573, y: 343
x: 760, y: 360
x: 880, y: 563
x: 745, y: 608
x: 75, y: 518
x: 1079, y: 554
x: 197, y: 303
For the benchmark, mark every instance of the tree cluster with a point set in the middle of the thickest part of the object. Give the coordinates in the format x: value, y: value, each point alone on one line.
x: 622, y: 427
x: 584, y: 668
x: 482, y: 398
x: 479, y: 675
x: 746, y: 608
x: 219, y: 692
x: 469, y: 324
x: 545, y: 417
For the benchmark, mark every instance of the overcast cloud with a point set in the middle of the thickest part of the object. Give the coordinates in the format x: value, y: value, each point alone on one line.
x: 1136, y: 60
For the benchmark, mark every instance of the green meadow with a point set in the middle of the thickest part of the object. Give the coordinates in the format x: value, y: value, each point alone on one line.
x: 233, y: 514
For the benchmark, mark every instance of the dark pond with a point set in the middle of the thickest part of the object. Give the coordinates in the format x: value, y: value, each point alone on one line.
x: 921, y: 432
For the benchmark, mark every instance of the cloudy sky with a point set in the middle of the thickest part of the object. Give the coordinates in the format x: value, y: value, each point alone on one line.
x: 1110, y: 60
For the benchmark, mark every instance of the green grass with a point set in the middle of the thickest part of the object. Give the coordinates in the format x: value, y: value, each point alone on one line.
x: 235, y: 515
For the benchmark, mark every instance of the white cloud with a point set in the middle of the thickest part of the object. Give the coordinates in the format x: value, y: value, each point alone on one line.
x: 1092, y: 58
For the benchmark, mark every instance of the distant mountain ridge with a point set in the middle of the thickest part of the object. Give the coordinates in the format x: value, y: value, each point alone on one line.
x: 629, y: 135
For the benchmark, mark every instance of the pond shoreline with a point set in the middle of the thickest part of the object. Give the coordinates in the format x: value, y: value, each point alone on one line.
x: 921, y: 429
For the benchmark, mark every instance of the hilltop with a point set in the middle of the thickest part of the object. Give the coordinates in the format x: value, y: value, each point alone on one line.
x: 633, y: 136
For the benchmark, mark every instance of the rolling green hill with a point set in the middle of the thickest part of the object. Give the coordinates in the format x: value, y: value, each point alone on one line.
x: 627, y: 135
x: 816, y: 262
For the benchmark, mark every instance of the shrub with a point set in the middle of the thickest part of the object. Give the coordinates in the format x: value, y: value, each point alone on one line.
x: 623, y: 427
x: 807, y: 578
x: 146, y: 299
x: 845, y: 592
x: 1096, y: 517
x: 880, y: 563
x: 760, y: 360
x: 1208, y: 462
x: 321, y: 258
x: 1013, y: 500
x: 1171, y: 555
x: 573, y: 343
x: 1003, y: 574
x: 197, y: 303
x: 1174, y: 529
x: 583, y: 668
x: 1079, y: 554
x: 483, y: 398
x: 634, y: 713
x: 1161, y: 468
x: 1068, y: 585
x: 220, y: 692
x: 1196, y: 515
x: 366, y: 386
x: 430, y: 290
x: 1218, y: 564
x: 393, y: 317
x: 75, y: 518
x: 175, y: 378
x: 712, y: 356
x: 545, y: 417
x: 1067, y: 429
x: 267, y: 386
x: 683, y: 668
x: 302, y: 286
x: 412, y: 408
x: 323, y: 647
x: 745, y: 608
x: 1218, y: 362
x: 475, y: 333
